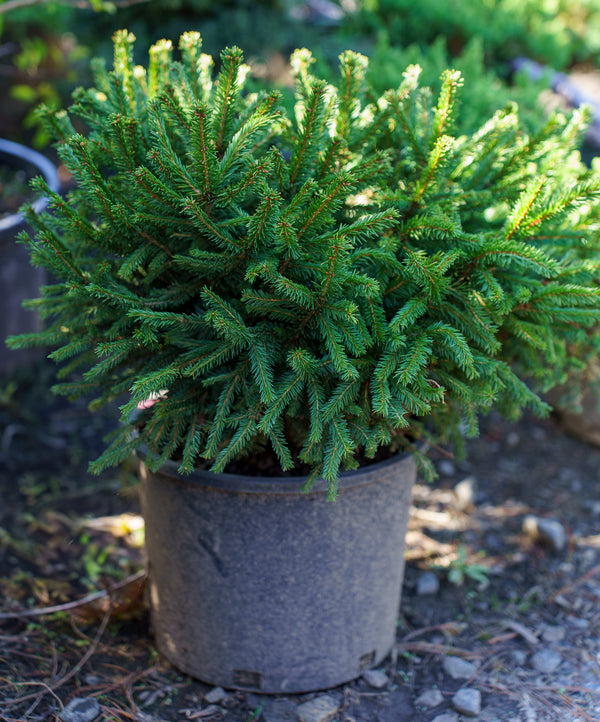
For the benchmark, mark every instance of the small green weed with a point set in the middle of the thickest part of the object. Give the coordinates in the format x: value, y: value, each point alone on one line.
x: 460, y: 569
x: 256, y: 714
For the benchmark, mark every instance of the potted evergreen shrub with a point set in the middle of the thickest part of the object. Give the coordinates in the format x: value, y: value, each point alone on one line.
x: 291, y: 303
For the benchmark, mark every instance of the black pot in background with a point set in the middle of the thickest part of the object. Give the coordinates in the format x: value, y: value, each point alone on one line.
x: 19, y: 280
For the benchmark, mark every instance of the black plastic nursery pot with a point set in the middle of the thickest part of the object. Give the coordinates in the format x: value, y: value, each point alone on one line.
x: 18, y: 278
x: 257, y: 585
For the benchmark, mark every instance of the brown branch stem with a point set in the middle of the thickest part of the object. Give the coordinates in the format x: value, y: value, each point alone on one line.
x: 67, y: 606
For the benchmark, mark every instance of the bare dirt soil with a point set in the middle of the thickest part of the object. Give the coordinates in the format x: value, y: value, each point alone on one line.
x: 522, y: 609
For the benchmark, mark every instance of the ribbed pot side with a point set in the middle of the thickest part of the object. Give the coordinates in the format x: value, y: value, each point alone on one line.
x: 257, y: 585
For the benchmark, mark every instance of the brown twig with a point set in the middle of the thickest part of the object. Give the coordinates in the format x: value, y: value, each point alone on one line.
x: 118, y: 713
x: 560, y: 692
x: 48, y: 688
x: 588, y: 575
x: 431, y: 648
x: 67, y: 606
x: 446, y: 628
x: 541, y: 694
x: 36, y: 702
x: 63, y: 680
x: 89, y: 653
x: 521, y: 630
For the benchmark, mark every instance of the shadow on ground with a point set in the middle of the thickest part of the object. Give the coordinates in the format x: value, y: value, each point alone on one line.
x: 521, y: 609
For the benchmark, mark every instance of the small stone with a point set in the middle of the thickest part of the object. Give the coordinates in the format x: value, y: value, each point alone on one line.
x: 275, y: 709
x: 566, y: 568
x: 548, y: 531
x: 562, y: 602
x: 429, y: 698
x: 577, y: 622
x: 545, y: 661
x: 512, y: 439
x: 80, y: 709
x: 458, y: 668
x: 554, y: 634
x: 375, y: 678
x: 319, y: 709
x: 446, y: 467
x: 216, y: 695
x: 589, y: 557
x: 465, y: 492
x: 519, y: 657
x: 538, y: 433
x: 467, y: 701
x: 93, y: 679
x: 427, y: 584
x: 446, y: 717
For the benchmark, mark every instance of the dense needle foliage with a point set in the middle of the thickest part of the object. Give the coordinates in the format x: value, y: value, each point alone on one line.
x: 317, y: 284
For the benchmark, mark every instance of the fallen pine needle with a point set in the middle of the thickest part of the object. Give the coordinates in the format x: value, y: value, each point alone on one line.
x: 51, y: 688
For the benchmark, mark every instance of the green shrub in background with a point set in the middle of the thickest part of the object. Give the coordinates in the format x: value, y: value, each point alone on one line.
x: 484, y: 90
x: 555, y: 32
x: 481, y: 39
x: 42, y: 59
x: 48, y: 43
x: 478, y: 38
x: 259, y: 27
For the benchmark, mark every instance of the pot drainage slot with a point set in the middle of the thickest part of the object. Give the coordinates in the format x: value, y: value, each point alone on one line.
x: 246, y: 678
x: 366, y: 660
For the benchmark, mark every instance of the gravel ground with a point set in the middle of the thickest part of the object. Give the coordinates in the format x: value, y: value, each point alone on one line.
x: 501, y: 601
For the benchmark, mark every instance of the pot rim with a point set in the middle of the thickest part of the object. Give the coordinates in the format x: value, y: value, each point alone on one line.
x: 44, y: 165
x: 277, y: 485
